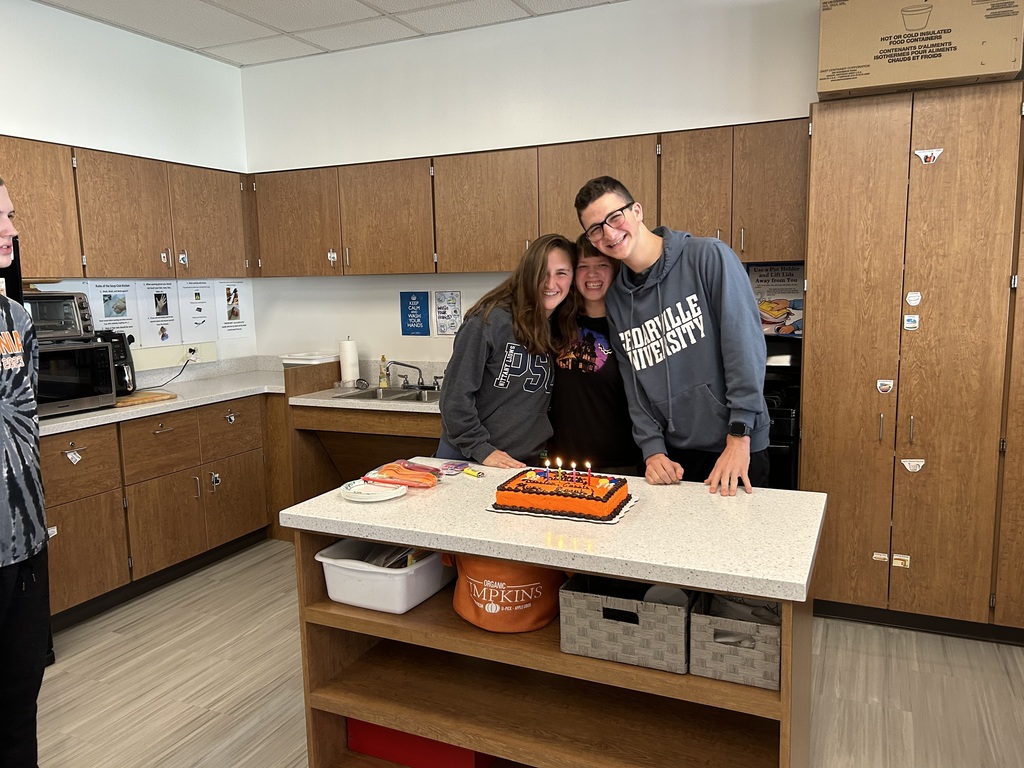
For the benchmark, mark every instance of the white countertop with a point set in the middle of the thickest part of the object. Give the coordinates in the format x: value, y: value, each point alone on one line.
x: 189, y: 395
x: 326, y: 399
x: 762, y: 544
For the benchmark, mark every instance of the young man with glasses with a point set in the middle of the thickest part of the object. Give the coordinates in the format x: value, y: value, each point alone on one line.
x: 685, y: 318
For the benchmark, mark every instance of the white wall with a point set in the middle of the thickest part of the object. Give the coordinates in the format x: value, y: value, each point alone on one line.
x: 641, y: 66
x: 73, y: 81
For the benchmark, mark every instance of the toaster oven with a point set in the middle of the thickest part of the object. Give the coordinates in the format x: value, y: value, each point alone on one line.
x: 60, y: 316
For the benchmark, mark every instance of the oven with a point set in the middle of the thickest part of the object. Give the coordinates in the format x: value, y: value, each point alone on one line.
x: 782, y: 393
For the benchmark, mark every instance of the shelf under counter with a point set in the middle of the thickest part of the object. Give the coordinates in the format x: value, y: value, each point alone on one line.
x: 539, y: 718
x: 434, y: 624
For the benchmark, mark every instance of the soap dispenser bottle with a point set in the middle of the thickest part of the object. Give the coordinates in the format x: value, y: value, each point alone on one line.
x: 383, y: 373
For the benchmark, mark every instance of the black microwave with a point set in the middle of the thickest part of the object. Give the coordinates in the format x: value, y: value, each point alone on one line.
x: 75, y: 376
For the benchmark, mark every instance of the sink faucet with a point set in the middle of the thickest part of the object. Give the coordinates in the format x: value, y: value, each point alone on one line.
x: 387, y: 370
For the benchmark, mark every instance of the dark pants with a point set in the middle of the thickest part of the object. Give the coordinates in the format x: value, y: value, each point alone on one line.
x: 697, y: 465
x: 24, y: 632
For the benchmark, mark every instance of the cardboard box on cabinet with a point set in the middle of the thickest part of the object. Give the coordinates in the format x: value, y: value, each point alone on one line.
x: 878, y: 46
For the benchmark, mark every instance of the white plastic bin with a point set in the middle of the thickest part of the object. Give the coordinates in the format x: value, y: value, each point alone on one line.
x: 392, y: 590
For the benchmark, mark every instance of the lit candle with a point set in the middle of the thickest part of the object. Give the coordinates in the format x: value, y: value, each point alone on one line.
x: 559, y: 463
x: 573, y: 465
x: 587, y: 463
x: 547, y: 469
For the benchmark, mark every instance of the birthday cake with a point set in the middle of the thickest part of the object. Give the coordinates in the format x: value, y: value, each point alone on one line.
x: 563, y: 494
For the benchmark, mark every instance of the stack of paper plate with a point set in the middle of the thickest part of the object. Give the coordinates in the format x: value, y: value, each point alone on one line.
x: 360, y: 490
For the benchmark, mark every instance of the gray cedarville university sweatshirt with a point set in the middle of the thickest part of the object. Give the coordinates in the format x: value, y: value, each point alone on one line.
x: 692, y: 336
x: 22, y: 530
x: 495, y: 395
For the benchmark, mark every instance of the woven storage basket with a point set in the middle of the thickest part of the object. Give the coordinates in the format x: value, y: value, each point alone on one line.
x: 621, y: 629
x: 757, y: 666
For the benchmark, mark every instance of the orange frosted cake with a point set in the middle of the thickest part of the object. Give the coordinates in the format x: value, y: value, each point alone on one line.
x: 598, y: 497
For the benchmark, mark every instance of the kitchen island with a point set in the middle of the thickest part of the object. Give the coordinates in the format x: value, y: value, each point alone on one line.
x: 518, y: 696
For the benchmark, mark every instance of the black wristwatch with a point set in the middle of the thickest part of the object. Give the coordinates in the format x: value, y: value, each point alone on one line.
x: 739, y: 429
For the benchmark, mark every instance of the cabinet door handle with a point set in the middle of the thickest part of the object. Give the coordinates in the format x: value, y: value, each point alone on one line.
x: 743, y: 246
x: 199, y: 490
x: 230, y: 417
x: 718, y: 234
x: 183, y: 258
x: 332, y: 258
x: 527, y: 245
x: 162, y: 429
x: 348, y: 262
x: 911, y: 430
x: 72, y: 449
x: 881, y: 420
x: 214, y: 481
x: 165, y: 257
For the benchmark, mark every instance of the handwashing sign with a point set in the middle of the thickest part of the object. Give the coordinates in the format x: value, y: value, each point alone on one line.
x: 415, y: 313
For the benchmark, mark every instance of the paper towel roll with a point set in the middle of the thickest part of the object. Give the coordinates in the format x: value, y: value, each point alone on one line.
x: 349, y: 361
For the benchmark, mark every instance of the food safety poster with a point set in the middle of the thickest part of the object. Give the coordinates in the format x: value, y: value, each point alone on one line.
x: 447, y: 312
x: 233, y: 308
x: 158, y: 314
x: 114, y: 305
x: 198, y: 314
x: 779, y: 290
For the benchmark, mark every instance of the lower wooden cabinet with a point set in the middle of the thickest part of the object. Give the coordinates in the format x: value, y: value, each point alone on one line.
x: 234, y: 497
x: 88, y: 549
x: 166, y: 523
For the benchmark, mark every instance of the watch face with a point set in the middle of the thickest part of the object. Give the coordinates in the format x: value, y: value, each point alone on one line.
x: 739, y: 429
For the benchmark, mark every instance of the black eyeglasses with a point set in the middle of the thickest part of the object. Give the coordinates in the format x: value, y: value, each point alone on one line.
x: 613, y: 220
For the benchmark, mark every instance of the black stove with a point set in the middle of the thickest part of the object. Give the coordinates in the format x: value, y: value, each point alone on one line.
x: 782, y: 394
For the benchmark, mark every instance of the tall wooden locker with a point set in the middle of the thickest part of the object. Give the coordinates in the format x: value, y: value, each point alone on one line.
x: 911, y: 231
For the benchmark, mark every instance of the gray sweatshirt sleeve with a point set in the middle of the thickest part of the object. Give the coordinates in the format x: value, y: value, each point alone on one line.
x: 742, y: 338
x: 463, y: 379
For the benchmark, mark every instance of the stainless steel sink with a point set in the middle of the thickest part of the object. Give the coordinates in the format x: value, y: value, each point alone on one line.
x: 393, y: 393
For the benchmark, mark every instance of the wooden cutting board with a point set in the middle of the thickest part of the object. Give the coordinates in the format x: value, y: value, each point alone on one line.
x: 141, y: 398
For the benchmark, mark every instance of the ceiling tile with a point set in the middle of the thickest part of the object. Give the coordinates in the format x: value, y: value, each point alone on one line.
x: 361, y: 33
x: 260, y: 51
x: 400, y: 6
x: 190, y: 23
x: 554, y: 6
x: 293, y: 15
x: 471, y: 13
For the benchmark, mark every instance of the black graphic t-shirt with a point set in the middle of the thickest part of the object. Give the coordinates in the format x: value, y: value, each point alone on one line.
x: 589, y: 411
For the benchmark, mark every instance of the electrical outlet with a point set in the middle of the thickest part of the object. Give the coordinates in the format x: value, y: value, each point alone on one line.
x: 193, y: 355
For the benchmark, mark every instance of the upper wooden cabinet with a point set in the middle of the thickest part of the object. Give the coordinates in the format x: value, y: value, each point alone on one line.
x: 696, y: 187
x: 387, y: 220
x: 42, y: 186
x: 299, y: 223
x: 126, y: 215
x: 769, y: 191
x: 486, y: 209
x: 564, y: 168
x: 744, y: 184
x: 206, y: 214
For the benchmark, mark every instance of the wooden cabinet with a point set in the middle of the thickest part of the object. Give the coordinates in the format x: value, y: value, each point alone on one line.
x: 125, y: 214
x: 696, y: 189
x: 387, y: 218
x: 299, y: 223
x: 898, y: 423
x: 487, y: 209
x: 769, y: 191
x: 206, y: 214
x: 1009, y: 609
x: 41, y: 182
x: 564, y: 168
x: 88, y: 548
x: 194, y: 481
x: 746, y: 185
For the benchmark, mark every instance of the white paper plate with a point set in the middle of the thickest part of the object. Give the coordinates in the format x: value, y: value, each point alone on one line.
x: 360, y: 490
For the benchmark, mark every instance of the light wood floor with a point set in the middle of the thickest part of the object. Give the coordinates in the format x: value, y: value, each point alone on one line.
x: 206, y: 672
